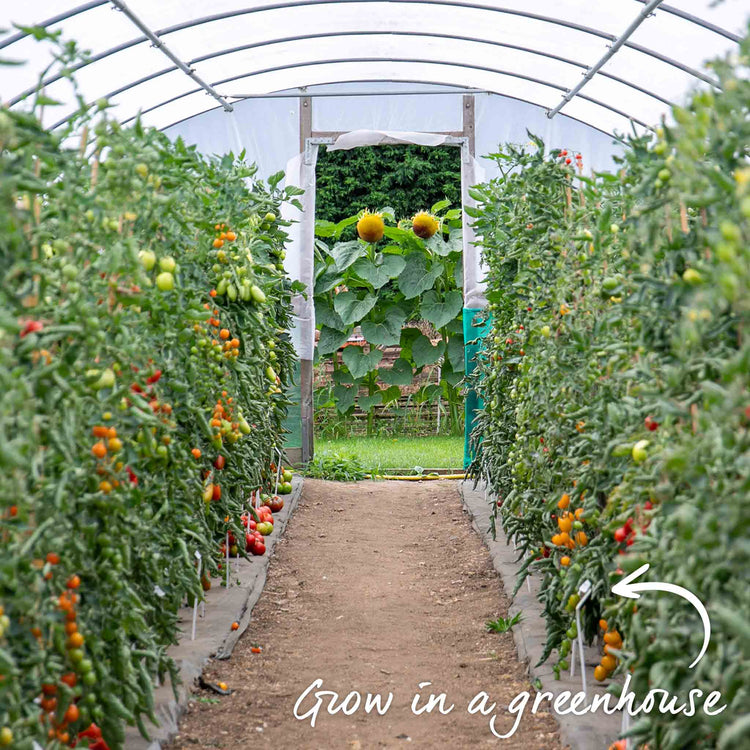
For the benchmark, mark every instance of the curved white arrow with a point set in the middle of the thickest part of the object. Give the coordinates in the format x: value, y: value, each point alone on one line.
x: 627, y: 588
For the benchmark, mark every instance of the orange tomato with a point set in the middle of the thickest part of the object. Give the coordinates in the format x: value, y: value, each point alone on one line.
x: 73, y: 583
x: 99, y: 450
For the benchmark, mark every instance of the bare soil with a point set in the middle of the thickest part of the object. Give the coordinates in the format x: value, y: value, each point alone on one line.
x: 375, y: 587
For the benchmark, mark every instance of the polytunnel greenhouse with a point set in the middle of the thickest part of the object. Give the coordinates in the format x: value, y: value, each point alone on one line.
x: 451, y: 298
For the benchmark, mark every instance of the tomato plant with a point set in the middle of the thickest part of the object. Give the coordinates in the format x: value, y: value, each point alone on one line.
x: 615, y: 384
x: 121, y: 401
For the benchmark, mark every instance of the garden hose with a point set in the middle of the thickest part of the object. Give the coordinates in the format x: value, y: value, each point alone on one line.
x: 417, y: 478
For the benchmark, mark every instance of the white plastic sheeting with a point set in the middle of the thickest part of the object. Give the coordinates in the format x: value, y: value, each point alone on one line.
x: 534, y: 50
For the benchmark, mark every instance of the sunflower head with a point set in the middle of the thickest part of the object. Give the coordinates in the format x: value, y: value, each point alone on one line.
x: 424, y: 225
x: 370, y: 227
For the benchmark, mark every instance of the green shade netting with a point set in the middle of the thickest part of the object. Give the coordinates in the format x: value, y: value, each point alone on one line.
x: 474, y: 333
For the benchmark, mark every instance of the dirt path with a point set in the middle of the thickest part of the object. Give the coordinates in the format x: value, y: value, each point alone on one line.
x: 376, y: 587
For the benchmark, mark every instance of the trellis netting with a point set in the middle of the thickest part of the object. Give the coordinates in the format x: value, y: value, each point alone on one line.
x: 283, y: 79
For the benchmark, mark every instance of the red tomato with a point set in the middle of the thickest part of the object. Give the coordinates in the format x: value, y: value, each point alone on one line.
x: 259, y: 548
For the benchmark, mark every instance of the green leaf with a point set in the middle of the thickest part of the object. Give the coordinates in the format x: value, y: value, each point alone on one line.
x: 409, y: 335
x: 325, y: 228
x: 345, y: 253
x: 327, y: 280
x: 386, y: 332
x: 344, y: 223
x: 359, y: 362
x: 367, y: 402
x: 455, y: 352
x: 416, y: 276
x: 391, y: 394
x: 399, y: 374
x: 326, y: 316
x: 424, y: 353
x: 450, y: 376
x: 379, y: 274
x: 429, y: 393
x: 344, y: 396
x: 456, y: 326
x: 439, y: 206
x: 439, y: 311
x: 342, y: 377
x: 352, y: 308
x: 331, y: 340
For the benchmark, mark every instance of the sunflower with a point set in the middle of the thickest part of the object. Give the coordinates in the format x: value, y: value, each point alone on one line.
x: 424, y: 225
x: 370, y: 227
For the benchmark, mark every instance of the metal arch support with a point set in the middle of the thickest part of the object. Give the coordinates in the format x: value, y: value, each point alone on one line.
x: 159, y: 44
x: 305, y: 3
x: 428, y: 35
x: 334, y: 34
x: 96, y: 3
x: 607, y: 56
x: 698, y: 22
x: 59, y: 18
x: 394, y: 60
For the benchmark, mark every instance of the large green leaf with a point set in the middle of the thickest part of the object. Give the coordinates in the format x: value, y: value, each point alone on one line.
x: 344, y: 396
x: 328, y: 280
x: 439, y: 246
x: 345, y: 253
x: 325, y: 315
x: 342, y: 377
x: 390, y: 394
x: 400, y: 374
x: 381, y: 272
x: 417, y: 277
x: 359, y: 362
x: 439, y: 311
x: 324, y: 228
x: 455, y: 352
x: 330, y: 340
x: 456, y: 326
x: 367, y: 402
x: 409, y: 335
x: 424, y: 353
x: 451, y: 376
x: 385, y: 332
x: 352, y: 307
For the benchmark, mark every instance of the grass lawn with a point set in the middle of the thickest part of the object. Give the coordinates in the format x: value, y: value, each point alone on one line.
x: 380, y: 454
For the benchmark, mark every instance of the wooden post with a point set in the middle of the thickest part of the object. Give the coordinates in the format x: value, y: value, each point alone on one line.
x: 468, y: 122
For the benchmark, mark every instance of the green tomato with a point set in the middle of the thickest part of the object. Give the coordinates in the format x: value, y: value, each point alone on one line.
x: 69, y: 272
x: 106, y: 379
x: 257, y: 294
x: 639, y: 452
x: 165, y: 281
x: 167, y: 264
x: 147, y: 258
